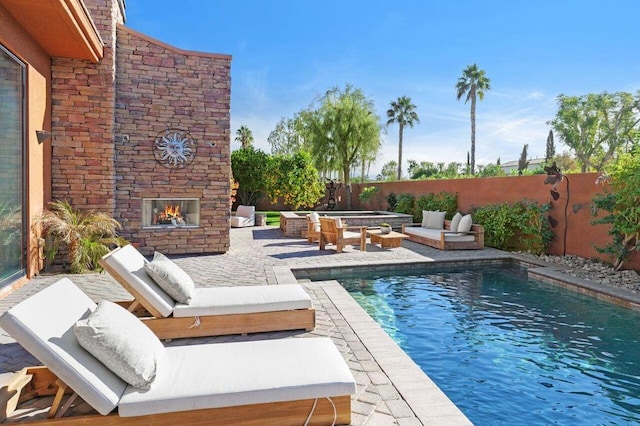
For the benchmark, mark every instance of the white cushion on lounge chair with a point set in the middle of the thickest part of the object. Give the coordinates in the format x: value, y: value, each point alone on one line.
x: 129, y: 263
x: 244, y: 299
x: 221, y: 375
x: 43, y: 325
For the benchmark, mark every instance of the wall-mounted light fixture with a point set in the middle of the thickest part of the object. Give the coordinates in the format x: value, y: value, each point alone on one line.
x: 42, y: 135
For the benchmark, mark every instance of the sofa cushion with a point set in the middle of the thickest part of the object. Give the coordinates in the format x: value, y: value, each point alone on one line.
x: 455, y: 222
x: 170, y: 277
x: 122, y: 343
x: 465, y: 224
x: 433, y: 219
x: 434, y: 234
x: 315, y: 219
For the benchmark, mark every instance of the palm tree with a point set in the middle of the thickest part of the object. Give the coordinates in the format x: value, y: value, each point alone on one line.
x: 402, y: 112
x: 244, y: 135
x: 473, y: 83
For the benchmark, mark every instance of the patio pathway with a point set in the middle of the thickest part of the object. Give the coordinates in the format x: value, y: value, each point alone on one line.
x: 391, y: 388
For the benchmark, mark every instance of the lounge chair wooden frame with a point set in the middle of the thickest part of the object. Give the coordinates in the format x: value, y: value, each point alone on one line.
x: 213, y: 325
x: 34, y: 382
x: 331, y: 233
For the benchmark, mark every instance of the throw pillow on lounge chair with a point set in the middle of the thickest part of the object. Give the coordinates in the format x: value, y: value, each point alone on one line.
x: 170, y: 277
x: 133, y: 355
x: 269, y: 381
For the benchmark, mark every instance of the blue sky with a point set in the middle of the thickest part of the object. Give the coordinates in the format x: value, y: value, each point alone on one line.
x: 287, y: 53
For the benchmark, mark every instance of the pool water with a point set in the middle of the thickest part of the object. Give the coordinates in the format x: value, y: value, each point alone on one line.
x: 510, y: 350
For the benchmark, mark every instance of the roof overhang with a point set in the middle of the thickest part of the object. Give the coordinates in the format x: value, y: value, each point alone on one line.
x: 62, y: 27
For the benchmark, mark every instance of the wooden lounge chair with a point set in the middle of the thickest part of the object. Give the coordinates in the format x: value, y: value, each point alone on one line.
x: 244, y: 383
x: 212, y: 311
x: 332, y: 233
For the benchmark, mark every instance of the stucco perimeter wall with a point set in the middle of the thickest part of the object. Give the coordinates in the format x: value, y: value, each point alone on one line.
x: 161, y: 87
x: 476, y: 192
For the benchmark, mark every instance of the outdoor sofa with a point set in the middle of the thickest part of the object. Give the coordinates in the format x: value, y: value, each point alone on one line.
x: 111, y: 360
x: 456, y: 234
x: 212, y: 311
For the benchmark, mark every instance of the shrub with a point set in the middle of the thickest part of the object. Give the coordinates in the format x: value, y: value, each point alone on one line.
x: 444, y: 202
x: 405, y: 204
x: 521, y: 226
x: 621, y: 201
x: 392, y: 202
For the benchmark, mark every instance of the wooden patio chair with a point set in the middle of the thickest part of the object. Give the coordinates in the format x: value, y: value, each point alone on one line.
x: 334, y: 233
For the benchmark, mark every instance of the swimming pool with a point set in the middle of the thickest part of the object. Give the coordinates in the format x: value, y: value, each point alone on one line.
x: 509, y: 350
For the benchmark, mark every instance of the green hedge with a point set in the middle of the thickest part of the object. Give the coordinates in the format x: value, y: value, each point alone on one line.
x: 521, y: 226
x: 444, y: 202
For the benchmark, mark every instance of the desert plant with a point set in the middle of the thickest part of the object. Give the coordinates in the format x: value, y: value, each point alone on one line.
x: 86, y: 236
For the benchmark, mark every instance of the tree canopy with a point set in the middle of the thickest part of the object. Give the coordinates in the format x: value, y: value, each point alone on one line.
x: 293, y: 178
x: 248, y: 167
x: 341, y: 129
x: 244, y: 135
x: 597, y: 126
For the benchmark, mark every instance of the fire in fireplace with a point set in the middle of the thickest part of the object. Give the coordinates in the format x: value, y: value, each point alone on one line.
x: 170, y: 212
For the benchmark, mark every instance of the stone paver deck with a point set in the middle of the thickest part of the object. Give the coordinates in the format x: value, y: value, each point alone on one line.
x: 391, y: 387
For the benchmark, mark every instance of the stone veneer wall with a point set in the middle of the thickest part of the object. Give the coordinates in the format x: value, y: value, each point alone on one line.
x: 82, y: 112
x: 160, y: 87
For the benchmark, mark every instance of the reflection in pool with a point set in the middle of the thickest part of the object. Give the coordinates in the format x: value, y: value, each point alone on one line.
x: 508, y: 350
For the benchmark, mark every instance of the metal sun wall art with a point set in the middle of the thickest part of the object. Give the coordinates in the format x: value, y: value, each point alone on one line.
x: 174, y: 148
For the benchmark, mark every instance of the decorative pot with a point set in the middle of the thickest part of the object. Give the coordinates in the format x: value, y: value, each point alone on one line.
x: 385, y: 229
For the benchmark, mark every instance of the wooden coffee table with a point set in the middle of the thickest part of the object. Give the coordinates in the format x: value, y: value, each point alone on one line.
x: 390, y: 240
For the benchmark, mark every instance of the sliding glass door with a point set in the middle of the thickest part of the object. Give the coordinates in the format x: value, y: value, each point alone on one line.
x: 12, y: 168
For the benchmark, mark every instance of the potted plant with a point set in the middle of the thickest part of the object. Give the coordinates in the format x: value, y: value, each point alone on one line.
x: 385, y: 228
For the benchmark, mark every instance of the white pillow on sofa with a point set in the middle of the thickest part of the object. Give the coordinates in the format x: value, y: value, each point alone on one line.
x: 455, y: 222
x: 465, y: 224
x: 433, y: 219
x: 170, y: 277
x: 122, y: 343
